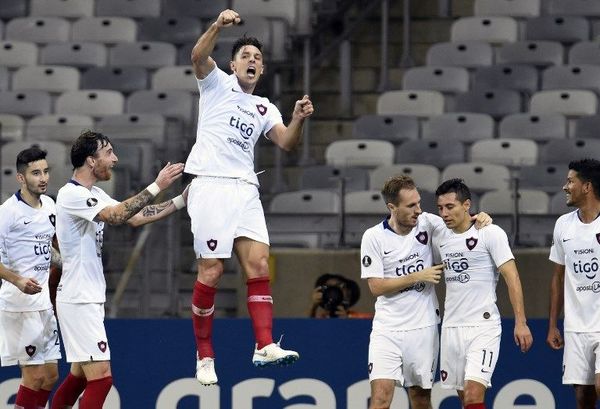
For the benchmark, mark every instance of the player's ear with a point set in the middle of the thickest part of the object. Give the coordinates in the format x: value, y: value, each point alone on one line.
x: 232, y: 66
x: 20, y: 178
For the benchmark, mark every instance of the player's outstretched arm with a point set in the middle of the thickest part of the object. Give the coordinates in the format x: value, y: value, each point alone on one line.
x: 383, y: 286
x: 121, y: 213
x: 557, y: 294
x: 522, y: 333
x: 201, y: 60
x: 155, y: 212
x: 288, y: 137
x: 25, y: 284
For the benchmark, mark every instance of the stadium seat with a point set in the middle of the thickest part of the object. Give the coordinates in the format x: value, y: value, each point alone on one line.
x: 25, y: 103
x: 123, y: 79
x: 12, y: 8
x: 538, y: 53
x: 12, y: 127
x: 567, y: 150
x: 511, y: 8
x: 15, y: 54
x: 175, y: 77
x: 365, y: 202
x: 129, y: 8
x: 558, y: 204
x: 393, y: 128
x: 565, y: 29
x: 221, y: 53
x: 459, y: 126
x: 508, y: 152
x: 503, y: 202
x: 134, y: 126
x: 62, y: 8
x: 480, y: 177
x: 80, y: 55
x: 494, y: 102
x: 443, y: 79
x: 546, y: 177
x: 148, y: 55
x: 413, y: 102
x: 4, y: 78
x: 468, y: 54
x: 62, y: 128
x: 107, y: 30
x: 587, y: 127
x: 359, y: 152
x: 566, y: 102
x: 137, y: 157
x: 57, y: 152
x: 436, y: 153
x: 536, y: 127
x: 585, y: 52
x: 255, y: 26
x: 490, y: 29
x: 518, y: 77
x: 9, y: 180
x: 90, y: 102
x: 329, y: 177
x: 204, y: 9
x: 572, y: 77
x: 281, y: 9
x: 584, y: 8
x: 51, y: 78
x: 426, y: 177
x: 306, y: 202
x: 176, y: 30
x: 174, y: 103
x: 38, y: 29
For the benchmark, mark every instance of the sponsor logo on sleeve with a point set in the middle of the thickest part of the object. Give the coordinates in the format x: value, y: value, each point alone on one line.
x: 366, y: 261
x: 91, y: 202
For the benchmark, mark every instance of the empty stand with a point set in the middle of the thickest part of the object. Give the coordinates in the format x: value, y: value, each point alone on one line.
x: 518, y: 77
x: 437, y: 153
x: 12, y: 9
x: 204, y: 9
x: 11, y: 127
x: 512, y: 8
x: 566, y: 150
x: 539, y: 53
x: 584, y: 8
x: 443, y: 79
x: 393, y: 128
x: 330, y: 177
x: 582, y: 76
x: 62, y: 8
x: 148, y: 54
x: 49, y: 78
x: 306, y: 202
x: 18, y: 53
x: 585, y: 52
x: 4, y: 78
x: 536, y: 127
x: 134, y: 126
x: 176, y: 77
x: 490, y: 29
x: 469, y: 54
x: 57, y: 152
x: 587, y: 127
x: 365, y: 202
x: 479, y: 177
x: 80, y: 55
x: 413, y: 102
x: 508, y: 152
x: 63, y: 128
x: 130, y: 8
x: 90, y: 102
x: 359, y: 152
x: 565, y: 29
x: 108, y: 30
x: 25, y: 103
x: 459, y: 126
x: 503, y: 202
x: 123, y: 79
x: 548, y: 177
x: 426, y: 177
x: 176, y: 30
x: 494, y: 102
x: 171, y: 103
x: 38, y: 29
x: 566, y: 102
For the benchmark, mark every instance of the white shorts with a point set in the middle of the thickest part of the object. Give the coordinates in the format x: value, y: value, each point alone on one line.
x: 581, y: 359
x: 222, y: 209
x: 408, y: 357
x: 28, y: 338
x: 469, y: 353
x: 82, y: 330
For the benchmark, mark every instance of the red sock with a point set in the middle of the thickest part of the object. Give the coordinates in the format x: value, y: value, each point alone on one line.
x: 67, y: 393
x: 476, y: 406
x: 26, y: 398
x: 260, y: 307
x: 42, y: 398
x: 203, y: 312
x: 95, y: 393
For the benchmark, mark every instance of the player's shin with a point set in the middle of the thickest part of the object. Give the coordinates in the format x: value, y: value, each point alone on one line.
x: 203, y: 312
x: 260, y: 308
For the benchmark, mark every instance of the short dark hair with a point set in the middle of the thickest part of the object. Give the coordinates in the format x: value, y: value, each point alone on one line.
x: 394, y: 185
x: 242, y: 41
x: 588, y: 170
x: 454, y: 186
x: 87, y: 145
x: 26, y: 156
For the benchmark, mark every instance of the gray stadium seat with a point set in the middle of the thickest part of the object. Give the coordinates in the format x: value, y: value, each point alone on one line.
x: 436, y: 153
x: 329, y: 177
x: 587, y: 127
x: 38, y: 29
x: 221, y: 53
x: 12, y: 127
x: 426, y: 177
x: 123, y: 79
x: 443, y: 79
x: 130, y: 8
x: 495, y: 102
x: 62, y: 8
x: 490, y: 29
x: 147, y: 54
x: 584, y: 8
x: 256, y: 26
x: 9, y: 180
x: 468, y: 54
x: 25, y: 103
x: 204, y: 9
x: 536, y: 127
x: 174, y: 104
x: 4, y: 78
x: 137, y: 157
x: 572, y: 77
x: 57, y: 152
x: 281, y: 9
x: 566, y: 29
x: 558, y: 204
x: 80, y: 55
x: 508, y: 152
x: 306, y: 202
x: 480, y: 177
x: 518, y: 77
x: 359, y: 152
x: 134, y: 126
x: 63, y: 128
x: 567, y: 150
x: 393, y: 128
x: 12, y: 8
x: 175, y: 77
x: 176, y: 30
x: 15, y: 54
x: 365, y: 202
x: 414, y: 102
x: 51, y: 78
x: 90, y: 102
x: 546, y: 177
x: 107, y: 30
x: 459, y: 126
x: 530, y: 201
x: 585, y: 52
x: 512, y: 8
x: 567, y: 102
x: 539, y: 53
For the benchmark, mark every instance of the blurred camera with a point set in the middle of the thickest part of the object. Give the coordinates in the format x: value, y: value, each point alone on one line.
x: 333, y: 296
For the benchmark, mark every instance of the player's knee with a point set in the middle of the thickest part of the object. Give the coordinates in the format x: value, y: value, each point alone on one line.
x: 258, y: 267
x: 34, y: 379
x: 380, y: 403
x: 50, y: 379
x: 210, y: 271
x: 420, y: 398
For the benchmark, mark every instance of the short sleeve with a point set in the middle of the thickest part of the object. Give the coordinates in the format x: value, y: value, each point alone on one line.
x: 212, y: 80
x: 557, y: 252
x: 497, y: 244
x: 82, y: 203
x: 273, y: 117
x: 371, y: 263
x: 6, y: 220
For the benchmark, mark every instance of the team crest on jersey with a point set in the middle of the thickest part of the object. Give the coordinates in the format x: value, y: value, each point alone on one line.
x: 52, y: 218
x: 444, y: 375
x: 261, y: 109
x: 212, y: 244
x: 30, y: 350
x: 422, y: 237
x: 471, y: 243
x: 91, y: 202
x: 598, y: 237
x: 102, y: 346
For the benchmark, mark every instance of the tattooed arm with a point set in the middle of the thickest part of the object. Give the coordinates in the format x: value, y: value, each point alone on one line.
x: 152, y: 213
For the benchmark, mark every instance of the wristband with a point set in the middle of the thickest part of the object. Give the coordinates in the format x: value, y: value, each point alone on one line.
x: 153, y: 189
x: 179, y: 202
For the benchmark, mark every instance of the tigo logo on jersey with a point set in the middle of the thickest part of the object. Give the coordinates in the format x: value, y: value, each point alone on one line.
x: 246, y: 130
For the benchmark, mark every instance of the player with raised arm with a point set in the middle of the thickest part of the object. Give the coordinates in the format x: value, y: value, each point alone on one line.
x: 28, y: 330
x: 82, y: 210
x: 471, y: 325
x: 224, y: 206
x: 576, y: 281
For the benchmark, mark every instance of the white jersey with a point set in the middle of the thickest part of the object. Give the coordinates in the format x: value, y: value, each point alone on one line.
x: 576, y: 245
x: 386, y: 254
x: 80, y: 240
x: 471, y: 260
x: 26, y: 249
x: 230, y: 122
